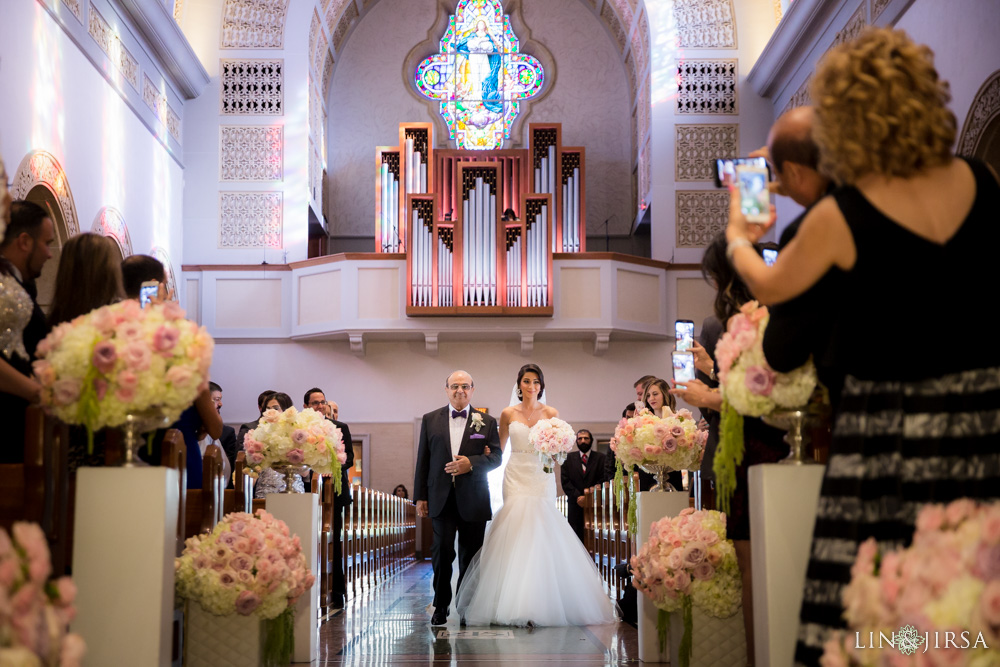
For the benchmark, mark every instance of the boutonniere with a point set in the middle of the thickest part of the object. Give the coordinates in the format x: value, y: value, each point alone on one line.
x: 477, y: 421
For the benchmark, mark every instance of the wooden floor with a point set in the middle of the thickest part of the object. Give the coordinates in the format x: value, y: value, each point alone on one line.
x: 391, y: 626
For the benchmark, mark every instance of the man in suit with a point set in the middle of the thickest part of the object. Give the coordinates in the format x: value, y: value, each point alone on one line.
x: 228, y: 437
x: 582, y: 469
x: 450, y: 483
x: 315, y: 398
x: 26, y: 247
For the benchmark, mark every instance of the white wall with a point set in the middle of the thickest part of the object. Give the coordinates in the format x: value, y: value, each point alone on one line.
x: 56, y: 100
x: 369, y: 98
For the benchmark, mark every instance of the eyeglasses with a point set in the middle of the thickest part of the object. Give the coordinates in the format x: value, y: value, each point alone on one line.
x: 217, y: 400
x: 311, y: 403
x: 463, y: 387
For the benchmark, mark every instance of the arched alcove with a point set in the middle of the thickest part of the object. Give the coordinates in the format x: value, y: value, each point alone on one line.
x: 109, y: 222
x: 980, y: 135
x: 41, y: 179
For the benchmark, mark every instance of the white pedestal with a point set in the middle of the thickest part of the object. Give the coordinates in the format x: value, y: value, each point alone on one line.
x: 783, y: 500
x: 715, y: 642
x: 301, y: 512
x: 123, y: 564
x: 653, y: 506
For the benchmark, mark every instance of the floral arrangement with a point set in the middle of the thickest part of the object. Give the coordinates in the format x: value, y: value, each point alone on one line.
x: 120, y: 360
x: 688, y: 561
x: 34, y: 612
x: 553, y: 439
x: 305, y: 438
x: 249, y: 564
x: 948, y: 580
x: 673, y: 441
x: 750, y: 387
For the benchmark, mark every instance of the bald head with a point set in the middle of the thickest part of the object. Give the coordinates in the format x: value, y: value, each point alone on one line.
x: 459, y: 387
x: 790, y: 139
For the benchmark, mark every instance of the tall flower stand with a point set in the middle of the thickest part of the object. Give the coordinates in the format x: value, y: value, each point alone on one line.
x: 715, y: 642
x: 653, y: 506
x: 123, y: 563
x: 301, y: 511
x: 783, y: 502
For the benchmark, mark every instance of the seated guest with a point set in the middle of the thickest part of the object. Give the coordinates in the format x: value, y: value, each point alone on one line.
x: 227, y: 442
x: 249, y: 426
x: 401, y: 492
x: 646, y: 480
x: 138, y: 269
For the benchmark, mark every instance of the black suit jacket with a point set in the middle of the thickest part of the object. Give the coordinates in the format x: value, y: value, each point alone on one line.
x: 38, y: 326
x: 433, y: 484
x: 574, y: 480
x: 228, y: 442
x: 344, y: 498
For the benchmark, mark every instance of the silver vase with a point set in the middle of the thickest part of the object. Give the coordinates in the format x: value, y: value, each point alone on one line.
x: 132, y: 433
x: 289, y: 472
x: 796, y: 422
x: 660, y: 472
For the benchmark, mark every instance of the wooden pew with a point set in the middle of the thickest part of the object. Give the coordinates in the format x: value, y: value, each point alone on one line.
x: 238, y: 498
x: 174, y: 455
x: 324, y: 487
x: 204, y: 506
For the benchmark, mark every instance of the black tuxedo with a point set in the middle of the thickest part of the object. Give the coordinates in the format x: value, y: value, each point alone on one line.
x: 228, y: 442
x: 575, y: 480
x: 339, y: 587
x: 38, y: 327
x: 459, y: 504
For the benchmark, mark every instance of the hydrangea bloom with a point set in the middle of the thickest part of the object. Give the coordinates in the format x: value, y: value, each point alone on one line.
x: 673, y: 441
x: 553, y: 439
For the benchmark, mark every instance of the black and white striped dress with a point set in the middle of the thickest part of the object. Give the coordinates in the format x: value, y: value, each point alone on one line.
x: 919, y: 417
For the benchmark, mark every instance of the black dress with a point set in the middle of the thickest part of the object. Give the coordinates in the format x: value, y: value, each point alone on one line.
x: 919, y: 416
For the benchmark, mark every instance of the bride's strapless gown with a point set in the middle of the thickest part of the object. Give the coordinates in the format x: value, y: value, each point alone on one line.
x: 532, y: 566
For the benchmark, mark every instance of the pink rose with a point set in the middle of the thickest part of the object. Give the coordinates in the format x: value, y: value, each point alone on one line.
x: 759, y: 380
x: 957, y: 510
x: 684, y: 413
x: 661, y: 431
x: 228, y: 538
x: 104, y: 356
x: 65, y: 391
x: 652, y: 450
x: 128, y: 311
x: 677, y: 431
x: 687, y: 511
x: 246, y: 603
x: 9, y: 569
x: 300, y: 437
x: 165, y: 339
x: 44, y: 372
x: 670, y: 445
x: 227, y: 578
x: 128, y: 379
x: 683, y: 580
x: 342, y: 457
x: 296, y: 456
x: 72, y: 651
x: 703, y: 571
x: 271, y: 416
x: 714, y: 557
x: 103, y: 319
x: 987, y: 565
x: 693, y: 554
x: 675, y: 560
x: 179, y: 376
x: 255, y: 458
x: 991, y: 527
x: 137, y: 356
x: 129, y: 330
x: 173, y: 311
x: 930, y: 518
x: 635, y: 453
x: 125, y: 394
x: 989, y: 603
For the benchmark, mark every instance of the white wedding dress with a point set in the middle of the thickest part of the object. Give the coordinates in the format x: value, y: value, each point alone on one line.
x: 532, y: 566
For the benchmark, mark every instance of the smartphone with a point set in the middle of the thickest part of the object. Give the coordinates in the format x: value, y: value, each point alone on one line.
x: 683, y: 335
x: 755, y: 200
x: 770, y: 255
x: 683, y: 363
x: 725, y: 169
x: 148, y: 290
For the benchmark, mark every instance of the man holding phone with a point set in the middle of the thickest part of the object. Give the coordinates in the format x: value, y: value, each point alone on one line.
x: 139, y: 272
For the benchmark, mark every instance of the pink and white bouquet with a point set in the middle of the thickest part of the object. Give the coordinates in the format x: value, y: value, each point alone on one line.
x: 248, y: 565
x: 934, y: 603
x: 553, y: 439
x: 673, y: 441
x: 34, y: 612
x: 687, y: 562
x: 123, y: 359
x: 750, y: 387
x: 294, y: 438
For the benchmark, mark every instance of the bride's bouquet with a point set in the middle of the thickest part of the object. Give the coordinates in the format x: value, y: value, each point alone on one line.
x: 647, y: 441
x: 750, y: 387
x: 553, y: 439
x: 948, y: 579
x: 688, y: 561
x: 295, y: 438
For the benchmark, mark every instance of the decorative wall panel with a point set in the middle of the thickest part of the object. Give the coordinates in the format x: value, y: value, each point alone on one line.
x: 74, y: 7
x: 877, y: 7
x: 624, y: 11
x: 253, y: 24
x: 333, y: 10
x: 640, y: 42
x: 985, y: 107
x: 631, y: 73
x: 350, y: 13
x: 252, y: 87
x: 800, y: 97
x: 701, y: 214
x: 109, y: 222
x: 157, y: 103
x: 705, y: 24
x: 250, y: 152
x: 250, y: 219
x: 178, y: 10
x: 854, y: 26
x: 327, y: 74
x: 645, y: 160
x: 610, y: 18
x: 112, y: 45
x: 42, y: 168
x: 706, y: 87
x: 697, y: 147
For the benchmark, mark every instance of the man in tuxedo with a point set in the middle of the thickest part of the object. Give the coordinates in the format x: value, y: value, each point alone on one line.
x: 228, y: 437
x: 26, y: 247
x: 450, y: 483
x: 315, y: 398
x: 582, y: 469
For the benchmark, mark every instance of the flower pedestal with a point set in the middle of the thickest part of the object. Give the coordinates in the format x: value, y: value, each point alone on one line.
x: 715, y: 642
x: 234, y: 640
x: 123, y: 563
x: 301, y: 511
x: 653, y: 506
x: 783, y: 501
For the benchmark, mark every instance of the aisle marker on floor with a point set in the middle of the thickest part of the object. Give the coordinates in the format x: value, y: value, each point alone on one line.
x: 475, y: 634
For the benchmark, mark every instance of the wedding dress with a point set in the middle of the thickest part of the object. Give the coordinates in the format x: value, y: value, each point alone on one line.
x: 532, y: 567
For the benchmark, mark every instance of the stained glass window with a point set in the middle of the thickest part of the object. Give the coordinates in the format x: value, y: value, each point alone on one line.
x: 479, y: 76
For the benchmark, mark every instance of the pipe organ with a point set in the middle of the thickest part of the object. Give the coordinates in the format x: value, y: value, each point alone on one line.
x: 479, y: 228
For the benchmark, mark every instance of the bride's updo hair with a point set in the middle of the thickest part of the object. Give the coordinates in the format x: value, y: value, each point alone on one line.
x: 531, y: 368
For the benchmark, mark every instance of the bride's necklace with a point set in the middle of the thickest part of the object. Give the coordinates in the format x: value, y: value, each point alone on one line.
x: 529, y: 416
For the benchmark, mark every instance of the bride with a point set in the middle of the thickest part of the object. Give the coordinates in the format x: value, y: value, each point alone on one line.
x: 532, y: 569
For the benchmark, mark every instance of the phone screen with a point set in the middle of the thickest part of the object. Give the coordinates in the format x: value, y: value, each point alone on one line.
x: 725, y: 169
x: 683, y: 335
x: 770, y: 255
x: 755, y: 200
x: 683, y: 363
x: 147, y: 292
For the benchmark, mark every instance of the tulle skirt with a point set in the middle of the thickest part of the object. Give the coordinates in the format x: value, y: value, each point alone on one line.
x: 533, y: 567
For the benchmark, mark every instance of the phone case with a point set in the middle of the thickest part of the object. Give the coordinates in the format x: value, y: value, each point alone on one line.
x: 755, y: 199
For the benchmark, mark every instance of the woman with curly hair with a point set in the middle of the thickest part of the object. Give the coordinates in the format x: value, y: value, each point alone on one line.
x: 914, y: 230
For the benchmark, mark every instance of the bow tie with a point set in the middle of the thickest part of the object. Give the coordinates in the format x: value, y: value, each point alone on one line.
x: 459, y: 413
